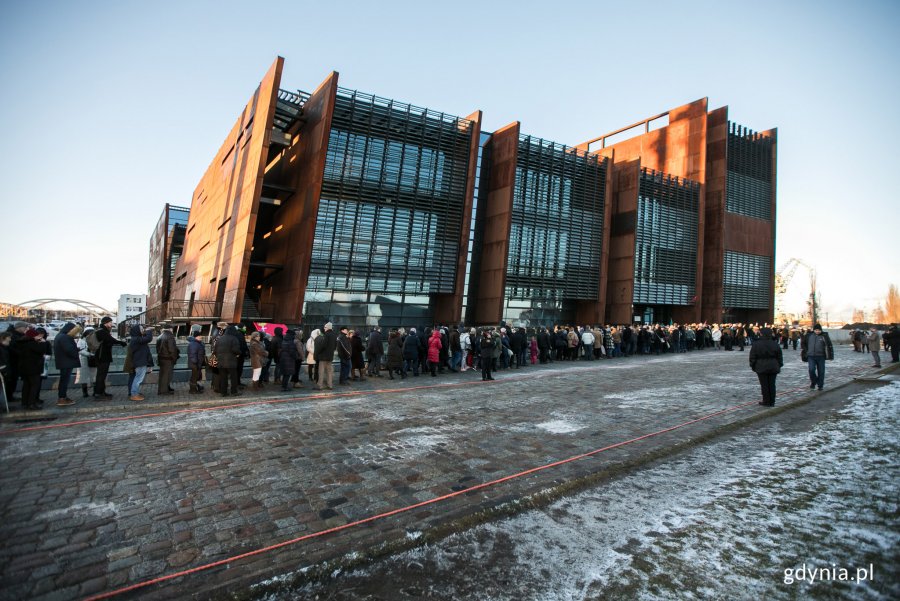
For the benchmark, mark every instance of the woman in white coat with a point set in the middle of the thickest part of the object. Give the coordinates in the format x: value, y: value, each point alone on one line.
x: 86, y: 373
x: 313, y: 366
x: 717, y: 337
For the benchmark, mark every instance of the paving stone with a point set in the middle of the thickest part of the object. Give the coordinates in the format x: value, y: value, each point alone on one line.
x: 143, y: 497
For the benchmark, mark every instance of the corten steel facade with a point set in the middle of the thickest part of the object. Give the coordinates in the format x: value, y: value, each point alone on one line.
x: 541, y: 229
x: 166, y: 246
x: 334, y: 206
x: 733, y: 170
x: 342, y: 206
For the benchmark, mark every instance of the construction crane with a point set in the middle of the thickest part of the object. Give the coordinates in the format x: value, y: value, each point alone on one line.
x: 783, y: 278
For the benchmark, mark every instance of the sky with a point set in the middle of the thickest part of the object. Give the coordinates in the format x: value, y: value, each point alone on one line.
x: 112, y: 109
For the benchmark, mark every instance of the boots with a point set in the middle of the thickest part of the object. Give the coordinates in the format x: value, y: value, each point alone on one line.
x: 84, y: 391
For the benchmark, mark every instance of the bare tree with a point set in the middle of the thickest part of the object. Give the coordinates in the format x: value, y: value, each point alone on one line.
x: 892, y: 305
x: 859, y: 316
x: 878, y: 315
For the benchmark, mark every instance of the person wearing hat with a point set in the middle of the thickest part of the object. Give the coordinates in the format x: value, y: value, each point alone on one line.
x: 766, y: 360
x: 167, y: 355
x: 344, y: 351
x: 104, y: 357
x: 31, y: 349
x: 815, y: 349
x: 65, y: 350
x: 16, y: 332
x: 196, y: 361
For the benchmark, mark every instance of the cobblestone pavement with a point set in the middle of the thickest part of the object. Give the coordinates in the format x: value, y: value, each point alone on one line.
x: 94, y: 506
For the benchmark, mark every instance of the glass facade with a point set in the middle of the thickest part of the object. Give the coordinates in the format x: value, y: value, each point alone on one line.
x: 556, y: 232
x: 388, y: 228
x: 749, y: 176
x: 666, y: 240
x: 748, y: 280
x: 166, y: 246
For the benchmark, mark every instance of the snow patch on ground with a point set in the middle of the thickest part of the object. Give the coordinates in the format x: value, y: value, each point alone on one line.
x: 560, y: 426
x: 79, y: 509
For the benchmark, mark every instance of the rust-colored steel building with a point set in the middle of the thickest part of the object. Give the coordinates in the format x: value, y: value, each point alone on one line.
x: 693, y: 226
x: 342, y: 206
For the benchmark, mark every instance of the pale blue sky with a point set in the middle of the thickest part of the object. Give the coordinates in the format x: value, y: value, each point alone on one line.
x: 111, y: 109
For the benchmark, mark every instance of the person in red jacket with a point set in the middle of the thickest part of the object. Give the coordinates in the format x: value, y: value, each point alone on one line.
x: 434, y: 351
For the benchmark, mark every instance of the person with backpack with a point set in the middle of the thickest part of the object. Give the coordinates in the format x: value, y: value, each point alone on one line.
x: 103, y: 353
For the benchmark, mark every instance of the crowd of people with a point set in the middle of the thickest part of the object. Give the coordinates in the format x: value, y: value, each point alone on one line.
x: 400, y: 352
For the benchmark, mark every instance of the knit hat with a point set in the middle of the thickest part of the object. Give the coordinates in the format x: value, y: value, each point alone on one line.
x: 105, y: 320
x: 817, y: 326
x: 328, y: 326
x: 21, y: 324
x: 222, y: 324
x: 31, y: 333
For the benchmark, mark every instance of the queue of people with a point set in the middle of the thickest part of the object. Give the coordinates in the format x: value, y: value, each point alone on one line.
x: 280, y: 358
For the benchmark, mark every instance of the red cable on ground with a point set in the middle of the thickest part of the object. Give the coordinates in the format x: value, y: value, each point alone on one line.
x: 411, y: 507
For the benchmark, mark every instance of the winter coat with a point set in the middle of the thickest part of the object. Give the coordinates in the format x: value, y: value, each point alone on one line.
x: 65, y: 349
x: 166, y: 349
x: 30, y: 354
x: 287, y: 355
x: 487, y: 347
x: 543, y: 340
x: 325, y: 346
x: 874, y: 340
x: 228, y: 348
x: 455, y: 346
x: 809, y: 341
x: 588, y: 339
x: 106, y: 340
x: 572, y: 339
x: 356, y: 352
x: 258, y: 354
x: 434, y: 347
x: 311, y: 346
x: 395, y: 351
x: 275, y: 344
x: 343, y: 347
x: 139, y: 347
x: 765, y: 354
x: 196, y: 353
x: 411, y: 346
x: 374, y: 348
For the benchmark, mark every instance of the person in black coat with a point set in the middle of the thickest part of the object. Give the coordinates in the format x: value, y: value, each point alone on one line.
x: 275, y: 353
x: 16, y: 332
x: 228, y: 353
x: 65, y: 350
x: 374, y: 351
x: 104, y: 356
x: 411, y: 352
x: 766, y: 360
x: 141, y: 359
x: 487, y: 353
x: 30, y: 351
x: 288, y: 359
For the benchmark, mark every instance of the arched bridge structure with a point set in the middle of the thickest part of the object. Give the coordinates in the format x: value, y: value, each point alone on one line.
x: 92, y: 309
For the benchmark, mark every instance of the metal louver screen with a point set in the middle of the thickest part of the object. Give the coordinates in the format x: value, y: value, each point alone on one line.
x: 747, y: 281
x: 748, y: 189
x: 666, y: 240
x: 557, y: 224
x: 392, y: 201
